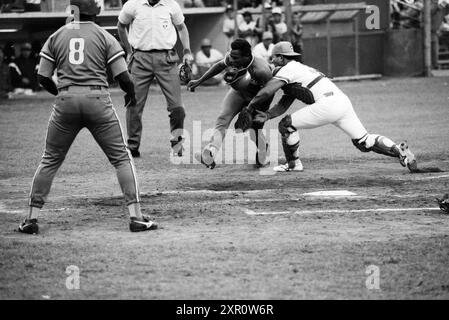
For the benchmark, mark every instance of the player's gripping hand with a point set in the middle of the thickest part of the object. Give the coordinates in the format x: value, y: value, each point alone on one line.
x: 192, y: 85
x: 261, y: 117
x: 130, y: 101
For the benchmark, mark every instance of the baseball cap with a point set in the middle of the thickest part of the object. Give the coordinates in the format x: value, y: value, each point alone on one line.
x: 206, y: 43
x: 267, y: 35
x: 284, y: 48
x: 276, y: 10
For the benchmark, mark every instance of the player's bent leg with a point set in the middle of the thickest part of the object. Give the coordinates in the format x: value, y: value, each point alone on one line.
x: 378, y: 144
x: 60, y: 135
x: 232, y: 104
x: 109, y: 135
x: 290, y: 144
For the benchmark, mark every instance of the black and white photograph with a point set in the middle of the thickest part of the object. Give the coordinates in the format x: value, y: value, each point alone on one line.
x: 225, y: 155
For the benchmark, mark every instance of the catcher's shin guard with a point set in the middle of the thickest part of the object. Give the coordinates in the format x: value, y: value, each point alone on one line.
x: 376, y: 143
x: 290, y: 139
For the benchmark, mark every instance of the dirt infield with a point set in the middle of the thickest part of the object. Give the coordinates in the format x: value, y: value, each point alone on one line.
x: 232, y: 233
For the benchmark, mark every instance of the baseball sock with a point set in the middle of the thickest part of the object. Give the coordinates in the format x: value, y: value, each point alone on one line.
x: 134, y: 210
x: 33, y: 213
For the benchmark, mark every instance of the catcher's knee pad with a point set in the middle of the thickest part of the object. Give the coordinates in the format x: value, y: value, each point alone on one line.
x: 376, y: 143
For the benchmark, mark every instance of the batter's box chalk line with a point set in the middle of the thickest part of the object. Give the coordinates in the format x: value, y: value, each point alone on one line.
x: 301, y: 212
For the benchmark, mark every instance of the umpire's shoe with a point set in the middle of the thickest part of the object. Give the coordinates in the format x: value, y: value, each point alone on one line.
x: 206, y: 158
x: 29, y: 226
x: 137, y: 225
x: 407, y: 158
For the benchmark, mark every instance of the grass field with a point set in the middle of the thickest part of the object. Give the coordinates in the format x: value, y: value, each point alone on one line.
x: 232, y: 233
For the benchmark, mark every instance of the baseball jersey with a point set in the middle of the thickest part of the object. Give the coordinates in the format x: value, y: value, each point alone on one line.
x: 81, y: 52
x: 296, y: 72
x: 151, y: 27
x: 257, y: 74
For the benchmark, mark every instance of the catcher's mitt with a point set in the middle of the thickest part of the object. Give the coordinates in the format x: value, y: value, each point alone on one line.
x: 444, y: 203
x: 244, y: 120
x: 299, y: 92
x: 185, y: 73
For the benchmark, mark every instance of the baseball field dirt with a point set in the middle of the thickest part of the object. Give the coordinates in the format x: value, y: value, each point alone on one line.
x: 235, y: 232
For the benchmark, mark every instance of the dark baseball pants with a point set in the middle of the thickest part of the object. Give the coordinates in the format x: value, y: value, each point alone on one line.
x: 74, y: 109
x: 144, y: 67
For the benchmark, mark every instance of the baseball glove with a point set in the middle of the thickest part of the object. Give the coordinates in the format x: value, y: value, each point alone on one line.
x: 299, y: 92
x: 244, y: 120
x: 444, y: 203
x: 185, y: 73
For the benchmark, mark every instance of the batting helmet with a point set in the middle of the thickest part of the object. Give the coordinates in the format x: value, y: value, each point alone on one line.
x: 87, y: 7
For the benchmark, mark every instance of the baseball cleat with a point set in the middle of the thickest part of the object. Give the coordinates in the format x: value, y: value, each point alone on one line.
x: 206, y: 158
x: 406, y: 157
x: 177, y: 147
x: 142, y: 225
x: 290, y: 166
x: 29, y: 226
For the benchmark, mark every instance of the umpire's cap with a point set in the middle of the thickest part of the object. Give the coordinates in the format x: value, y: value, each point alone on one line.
x: 87, y: 7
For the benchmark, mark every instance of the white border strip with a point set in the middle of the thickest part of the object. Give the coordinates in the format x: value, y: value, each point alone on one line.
x: 265, y: 213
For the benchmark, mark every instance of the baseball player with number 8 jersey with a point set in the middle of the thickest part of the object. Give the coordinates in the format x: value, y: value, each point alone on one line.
x: 81, y: 51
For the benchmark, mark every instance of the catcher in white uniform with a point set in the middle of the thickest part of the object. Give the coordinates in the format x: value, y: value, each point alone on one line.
x: 326, y: 104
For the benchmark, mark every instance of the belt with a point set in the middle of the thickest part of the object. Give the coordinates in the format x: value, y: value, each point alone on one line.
x: 90, y: 87
x: 153, y: 50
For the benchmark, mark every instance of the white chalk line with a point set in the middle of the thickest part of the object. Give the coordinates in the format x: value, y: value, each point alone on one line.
x: 434, y: 177
x: 261, y: 213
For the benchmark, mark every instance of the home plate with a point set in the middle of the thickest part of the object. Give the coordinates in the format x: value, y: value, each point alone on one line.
x: 330, y: 193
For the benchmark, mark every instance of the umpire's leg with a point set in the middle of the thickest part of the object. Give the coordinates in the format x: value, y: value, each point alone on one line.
x: 63, y: 126
x: 167, y: 76
x: 142, y: 74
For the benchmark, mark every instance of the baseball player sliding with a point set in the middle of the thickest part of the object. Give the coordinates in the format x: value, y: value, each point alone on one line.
x: 81, y: 51
x: 246, y: 75
x: 326, y: 104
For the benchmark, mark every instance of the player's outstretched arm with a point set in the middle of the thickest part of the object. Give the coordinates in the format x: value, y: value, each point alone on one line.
x: 213, y: 71
x: 266, y: 93
x: 279, y: 109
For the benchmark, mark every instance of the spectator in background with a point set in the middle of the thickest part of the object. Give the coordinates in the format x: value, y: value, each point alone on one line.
x: 5, y: 85
x: 204, y: 59
x: 247, y: 28
x: 23, y: 71
x: 263, y: 49
x: 229, y: 24
x: 296, y: 31
x: 280, y: 27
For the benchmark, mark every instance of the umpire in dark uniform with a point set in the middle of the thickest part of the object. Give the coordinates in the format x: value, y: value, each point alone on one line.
x: 150, y: 46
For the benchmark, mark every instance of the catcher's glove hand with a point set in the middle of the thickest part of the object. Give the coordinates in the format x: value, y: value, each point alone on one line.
x: 299, y: 92
x: 130, y: 101
x: 185, y: 73
x: 444, y: 203
x: 244, y: 120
